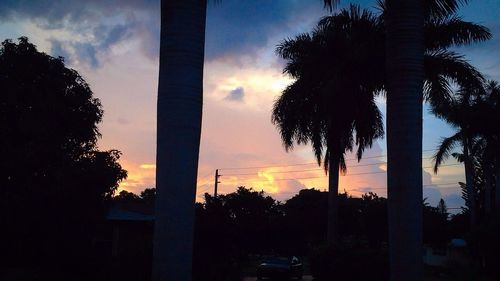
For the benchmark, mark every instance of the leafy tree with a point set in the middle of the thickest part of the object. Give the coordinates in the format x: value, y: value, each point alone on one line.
x: 298, y: 211
x: 149, y: 195
x: 435, y: 225
x: 231, y: 226
x: 127, y: 196
x: 54, y: 182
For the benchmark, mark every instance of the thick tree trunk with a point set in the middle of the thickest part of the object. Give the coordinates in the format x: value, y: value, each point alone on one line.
x: 180, y: 95
x: 469, y: 182
x: 405, y: 52
x: 333, y: 190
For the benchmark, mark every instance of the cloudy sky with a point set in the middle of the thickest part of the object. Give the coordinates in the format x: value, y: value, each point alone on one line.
x: 114, y: 45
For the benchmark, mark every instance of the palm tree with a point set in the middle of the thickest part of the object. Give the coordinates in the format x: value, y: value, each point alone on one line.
x: 493, y: 133
x: 180, y: 97
x: 331, y: 103
x: 180, y: 90
x: 487, y: 120
x: 311, y: 60
x: 179, y: 108
x: 474, y: 112
x: 465, y: 139
x: 406, y: 22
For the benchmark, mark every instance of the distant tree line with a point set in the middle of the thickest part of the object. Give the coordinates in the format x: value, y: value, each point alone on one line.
x: 232, y: 228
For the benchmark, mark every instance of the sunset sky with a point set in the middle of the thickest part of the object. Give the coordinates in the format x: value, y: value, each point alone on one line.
x: 114, y: 45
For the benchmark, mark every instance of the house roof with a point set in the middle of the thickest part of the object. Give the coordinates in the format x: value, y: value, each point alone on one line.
x: 118, y: 214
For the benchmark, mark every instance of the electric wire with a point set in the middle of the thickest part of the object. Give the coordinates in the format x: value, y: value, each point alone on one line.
x: 311, y: 163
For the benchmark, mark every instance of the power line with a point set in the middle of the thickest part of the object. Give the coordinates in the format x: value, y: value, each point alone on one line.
x: 318, y: 169
x: 425, y: 185
x: 311, y: 163
x: 306, y: 170
x: 367, y: 189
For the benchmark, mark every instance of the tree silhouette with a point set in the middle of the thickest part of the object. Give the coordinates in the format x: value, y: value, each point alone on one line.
x: 331, y: 104
x: 179, y: 108
x: 343, y: 55
x: 406, y: 39
x: 487, y: 124
x: 54, y: 183
x: 463, y: 113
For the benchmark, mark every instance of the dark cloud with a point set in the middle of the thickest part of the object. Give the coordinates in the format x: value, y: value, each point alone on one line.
x: 233, y: 26
x: 98, y: 25
x: 236, y: 95
x: 242, y: 27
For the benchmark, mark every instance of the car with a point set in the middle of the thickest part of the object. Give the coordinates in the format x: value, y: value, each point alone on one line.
x: 280, y: 268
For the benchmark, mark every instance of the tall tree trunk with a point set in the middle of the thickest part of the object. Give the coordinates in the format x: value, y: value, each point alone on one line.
x: 405, y: 53
x: 469, y: 182
x: 333, y: 190
x: 180, y: 95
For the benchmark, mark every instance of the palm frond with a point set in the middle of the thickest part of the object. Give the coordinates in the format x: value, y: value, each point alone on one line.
x: 442, y: 67
x: 442, y: 8
x: 432, y: 8
x: 447, y: 145
x: 443, y: 33
x: 458, y: 156
x: 342, y: 164
x: 331, y: 4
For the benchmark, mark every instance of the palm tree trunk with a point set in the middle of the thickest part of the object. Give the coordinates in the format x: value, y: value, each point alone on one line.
x: 405, y: 53
x: 469, y: 182
x: 180, y: 94
x: 333, y: 190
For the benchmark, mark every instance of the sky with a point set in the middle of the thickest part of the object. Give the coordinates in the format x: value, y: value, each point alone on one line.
x: 114, y: 45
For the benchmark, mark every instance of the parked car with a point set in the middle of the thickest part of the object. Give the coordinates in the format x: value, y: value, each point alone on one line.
x: 280, y: 268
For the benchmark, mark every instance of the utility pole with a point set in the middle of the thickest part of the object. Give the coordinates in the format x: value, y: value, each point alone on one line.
x: 216, y: 181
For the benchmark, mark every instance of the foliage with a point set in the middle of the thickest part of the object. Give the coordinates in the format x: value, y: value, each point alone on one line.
x: 54, y: 182
x: 474, y: 113
x: 435, y: 225
x: 331, y: 103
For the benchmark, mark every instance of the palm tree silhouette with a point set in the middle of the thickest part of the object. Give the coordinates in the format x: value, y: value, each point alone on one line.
x: 460, y: 112
x: 179, y: 125
x: 331, y: 104
x: 341, y: 58
x: 179, y: 112
x: 406, y: 21
x: 489, y: 128
x: 475, y: 113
